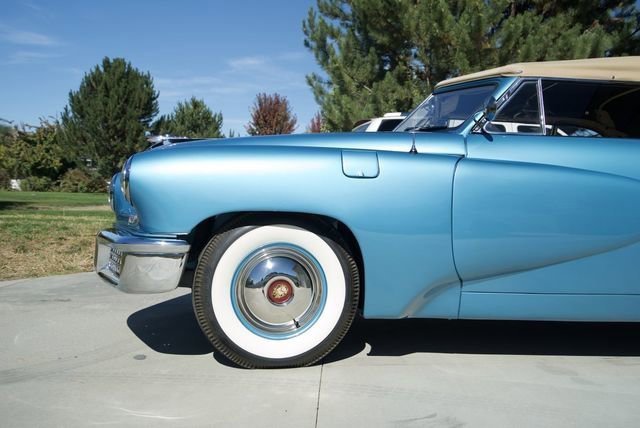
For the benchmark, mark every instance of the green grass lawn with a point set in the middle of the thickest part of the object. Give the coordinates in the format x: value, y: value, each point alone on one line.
x: 52, y: 199
x: 46, y: 233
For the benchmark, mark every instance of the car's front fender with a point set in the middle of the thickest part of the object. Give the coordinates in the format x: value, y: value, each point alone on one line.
x: 400, y: 216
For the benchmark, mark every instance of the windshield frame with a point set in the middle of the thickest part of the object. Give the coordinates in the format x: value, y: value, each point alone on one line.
x: 500, y: 85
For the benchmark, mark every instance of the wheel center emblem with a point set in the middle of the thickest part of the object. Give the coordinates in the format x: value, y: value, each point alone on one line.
x: 279, y: 292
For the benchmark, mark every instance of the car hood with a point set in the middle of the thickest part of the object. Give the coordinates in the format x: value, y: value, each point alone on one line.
x: 388, y: 141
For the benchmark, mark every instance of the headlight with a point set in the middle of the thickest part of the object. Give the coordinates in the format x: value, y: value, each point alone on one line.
x: 124, y: 179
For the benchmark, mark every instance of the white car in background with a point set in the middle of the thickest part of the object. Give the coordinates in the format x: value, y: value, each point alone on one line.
x: 386, y: 123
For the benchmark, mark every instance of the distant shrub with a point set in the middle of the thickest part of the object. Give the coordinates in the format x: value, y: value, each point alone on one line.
x: 36, y: 184
x: 80, y: 181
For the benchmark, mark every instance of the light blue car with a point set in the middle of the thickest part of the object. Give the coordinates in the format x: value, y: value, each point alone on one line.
x: 510, y: 194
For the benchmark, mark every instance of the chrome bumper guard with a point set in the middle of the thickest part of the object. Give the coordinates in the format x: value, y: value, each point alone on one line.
x: 139, y: 265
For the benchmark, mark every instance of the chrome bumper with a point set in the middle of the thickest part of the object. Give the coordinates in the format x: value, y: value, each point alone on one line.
x: 139, y: 265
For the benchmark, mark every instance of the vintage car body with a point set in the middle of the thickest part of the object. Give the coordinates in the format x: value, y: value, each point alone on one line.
x: 453, y: 221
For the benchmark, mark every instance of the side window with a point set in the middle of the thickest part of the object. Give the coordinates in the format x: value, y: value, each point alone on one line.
x: 389, y: 125
x: 362, y: 128
x: 520, y: 113
x: 591, y: 109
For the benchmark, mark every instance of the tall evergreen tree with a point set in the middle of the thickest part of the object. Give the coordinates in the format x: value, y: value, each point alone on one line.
x: 108, y: 115
x: 191, y: 118
x: 364, y: 49
x: 386, y: 55
x: 270, y: 115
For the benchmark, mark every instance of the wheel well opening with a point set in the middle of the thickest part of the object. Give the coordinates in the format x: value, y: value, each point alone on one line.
x: 203, y: 232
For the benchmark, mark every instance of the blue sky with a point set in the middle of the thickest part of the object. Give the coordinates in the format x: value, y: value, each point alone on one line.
x: 224, y: 52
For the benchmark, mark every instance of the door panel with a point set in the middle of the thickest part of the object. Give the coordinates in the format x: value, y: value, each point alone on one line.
x: 611, y: 272
x: 614, y: 156
x: 541, y: 214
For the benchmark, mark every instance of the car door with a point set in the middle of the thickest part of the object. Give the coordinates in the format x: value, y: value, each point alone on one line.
x: 546, y: 207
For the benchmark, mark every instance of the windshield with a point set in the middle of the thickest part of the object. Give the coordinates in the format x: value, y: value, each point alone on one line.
x: 446, y: 110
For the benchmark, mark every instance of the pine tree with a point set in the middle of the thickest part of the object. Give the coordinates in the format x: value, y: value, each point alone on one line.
x: 191, y: 118
x: 271, y: 115
x: 386, y: 55
x: 363, y: 48
x: 108, y: 115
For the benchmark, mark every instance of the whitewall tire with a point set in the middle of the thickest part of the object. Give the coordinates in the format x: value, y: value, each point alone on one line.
x: 275, y: 295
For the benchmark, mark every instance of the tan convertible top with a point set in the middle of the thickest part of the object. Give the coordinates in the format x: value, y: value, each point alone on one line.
x: 626, y: 68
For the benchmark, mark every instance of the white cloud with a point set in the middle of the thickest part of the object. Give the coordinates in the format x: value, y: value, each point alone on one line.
x: 72, y: 70
x: 232, y: 87
x: 27, y: 57
x: 168, y: 93
x: 33, y: 6
x: 247, y: 62
x: 293, y: 56
x: 242, y: 75
x: 261, y: 73
x: 29, y: 38
x: 185, y: 87
x: 235, y: 122
x: 38, y: 10
x: 185, y: 82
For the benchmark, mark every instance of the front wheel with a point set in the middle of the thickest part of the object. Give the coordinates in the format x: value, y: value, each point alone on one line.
x: 275, y: 295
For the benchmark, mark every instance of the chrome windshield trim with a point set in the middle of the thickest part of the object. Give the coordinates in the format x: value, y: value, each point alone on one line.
x: 543, y: 121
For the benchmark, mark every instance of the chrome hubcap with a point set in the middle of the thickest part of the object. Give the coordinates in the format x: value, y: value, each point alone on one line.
x: 279, y: 290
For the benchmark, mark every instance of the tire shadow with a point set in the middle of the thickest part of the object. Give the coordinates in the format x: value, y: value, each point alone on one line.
x: 170, y: 327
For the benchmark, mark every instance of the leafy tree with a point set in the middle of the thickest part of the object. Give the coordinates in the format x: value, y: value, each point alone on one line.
x: 5, y: 131
x: 83, y: 181
x: 191, y: 118
x: 5, y: 178
x: 36, y: 152
x: 36, y: 184
x: 386, y: 55
x: 316, y: 125
x: 271, y: 115
x: 5, y: 141
x: 108, y: 115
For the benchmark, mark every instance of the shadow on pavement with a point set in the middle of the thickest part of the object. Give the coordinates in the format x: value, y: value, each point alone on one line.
x: 170, y: 327
x: 407, y: 336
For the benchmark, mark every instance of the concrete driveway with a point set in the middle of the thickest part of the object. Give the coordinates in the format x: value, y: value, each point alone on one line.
x: 75, y: 352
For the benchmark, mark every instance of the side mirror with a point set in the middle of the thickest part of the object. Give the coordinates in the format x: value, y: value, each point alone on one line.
x: 490, y: 109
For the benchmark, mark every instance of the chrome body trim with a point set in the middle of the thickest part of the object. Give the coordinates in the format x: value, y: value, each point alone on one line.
x: 543, y: 120
x: 126, y: 191
x: 110, y: 195
x: 139, y: 265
